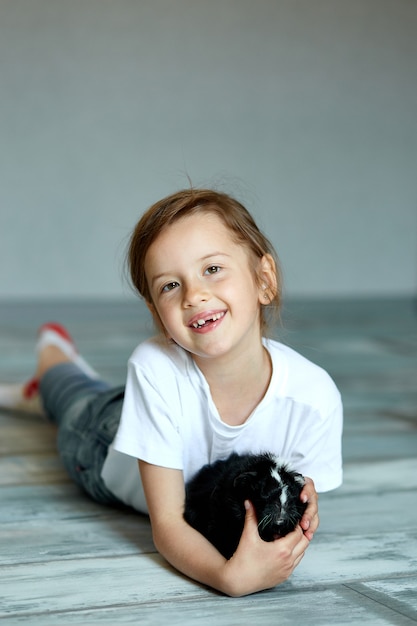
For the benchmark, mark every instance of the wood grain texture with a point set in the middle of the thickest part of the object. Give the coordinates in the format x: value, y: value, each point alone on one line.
x: 66, y: 560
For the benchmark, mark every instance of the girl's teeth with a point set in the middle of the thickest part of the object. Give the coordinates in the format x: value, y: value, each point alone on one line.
x: 202, y: 322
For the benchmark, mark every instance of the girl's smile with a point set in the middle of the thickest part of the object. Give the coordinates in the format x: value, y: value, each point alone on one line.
x: 206, y: 322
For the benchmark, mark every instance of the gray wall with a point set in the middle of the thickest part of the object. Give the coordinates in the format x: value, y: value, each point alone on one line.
x: 305, y: 109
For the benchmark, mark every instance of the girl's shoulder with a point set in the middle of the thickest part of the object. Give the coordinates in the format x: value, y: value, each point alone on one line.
x: 159, y: 354
x: 281, y: 352
x: 304, y: 380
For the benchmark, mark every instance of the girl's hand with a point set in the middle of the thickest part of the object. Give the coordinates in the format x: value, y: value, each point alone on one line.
x: 257, y: 564
x: 310, y: 520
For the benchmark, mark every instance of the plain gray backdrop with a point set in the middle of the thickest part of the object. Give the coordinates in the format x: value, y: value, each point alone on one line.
x: 306, y: 110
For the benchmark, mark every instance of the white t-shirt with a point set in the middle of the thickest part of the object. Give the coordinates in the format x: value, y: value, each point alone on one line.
x: 169, y: 419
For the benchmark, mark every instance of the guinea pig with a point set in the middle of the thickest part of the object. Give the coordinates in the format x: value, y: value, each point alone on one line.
x: 215, y: 496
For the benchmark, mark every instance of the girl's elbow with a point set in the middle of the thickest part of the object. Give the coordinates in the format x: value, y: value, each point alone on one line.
x: 158, y: 540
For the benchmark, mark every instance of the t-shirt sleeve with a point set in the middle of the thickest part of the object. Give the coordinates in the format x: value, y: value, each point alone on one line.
x: 148, y: 427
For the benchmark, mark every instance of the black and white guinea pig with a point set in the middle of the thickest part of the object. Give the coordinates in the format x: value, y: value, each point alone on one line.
x: 215, y: 496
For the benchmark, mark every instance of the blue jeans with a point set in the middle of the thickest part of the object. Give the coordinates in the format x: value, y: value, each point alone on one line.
x: 87, y: 413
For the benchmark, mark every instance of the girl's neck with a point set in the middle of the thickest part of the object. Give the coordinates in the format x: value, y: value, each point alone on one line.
x: 238, y: 385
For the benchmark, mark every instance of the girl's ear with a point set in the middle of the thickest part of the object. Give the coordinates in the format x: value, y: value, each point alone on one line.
x: 267, y: 277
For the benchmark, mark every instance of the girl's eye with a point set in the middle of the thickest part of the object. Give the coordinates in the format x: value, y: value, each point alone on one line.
x: 169, y: 287
x: 213, y: 269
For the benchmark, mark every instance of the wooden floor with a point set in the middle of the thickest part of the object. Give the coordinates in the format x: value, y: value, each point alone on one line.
x: 66, y: 560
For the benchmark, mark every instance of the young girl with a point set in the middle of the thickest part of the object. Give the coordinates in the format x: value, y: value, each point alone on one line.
x: 210, y: 383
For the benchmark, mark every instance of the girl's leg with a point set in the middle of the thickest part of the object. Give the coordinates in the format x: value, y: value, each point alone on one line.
x: 87, y: 412
x: 85, y: 409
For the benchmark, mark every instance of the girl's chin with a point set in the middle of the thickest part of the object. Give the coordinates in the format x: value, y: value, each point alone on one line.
x: 214, y: 351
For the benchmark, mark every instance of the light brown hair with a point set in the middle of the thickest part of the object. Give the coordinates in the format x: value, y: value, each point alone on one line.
x: 191, y: 201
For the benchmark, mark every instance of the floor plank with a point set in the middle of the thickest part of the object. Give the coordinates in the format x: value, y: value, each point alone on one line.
x: 66, y: 560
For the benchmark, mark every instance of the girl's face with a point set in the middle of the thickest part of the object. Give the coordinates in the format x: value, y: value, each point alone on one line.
x: 203, y: 289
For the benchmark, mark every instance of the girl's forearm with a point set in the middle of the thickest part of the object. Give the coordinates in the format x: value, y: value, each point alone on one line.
x: 191, y: 554
x: 256, y: 565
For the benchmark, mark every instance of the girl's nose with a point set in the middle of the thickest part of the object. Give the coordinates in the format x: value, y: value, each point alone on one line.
x: 194, y: 294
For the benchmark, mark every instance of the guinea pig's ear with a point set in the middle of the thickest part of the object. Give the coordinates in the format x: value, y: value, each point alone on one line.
x: 244, y: 479
x: 299, y: 478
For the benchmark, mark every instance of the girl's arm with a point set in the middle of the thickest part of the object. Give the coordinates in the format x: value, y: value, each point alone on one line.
x: 256, y: 564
